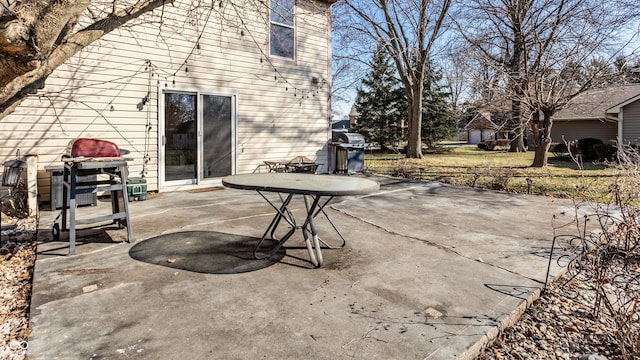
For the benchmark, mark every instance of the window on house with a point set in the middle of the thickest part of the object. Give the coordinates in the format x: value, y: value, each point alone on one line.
x: 282, y: 29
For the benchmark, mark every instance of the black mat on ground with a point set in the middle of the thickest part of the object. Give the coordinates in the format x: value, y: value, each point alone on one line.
x: 208, y: 252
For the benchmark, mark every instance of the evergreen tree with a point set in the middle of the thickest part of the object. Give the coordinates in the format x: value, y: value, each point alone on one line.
x: 381, y: 103
x: 628, y: 72
x: 438, y: 119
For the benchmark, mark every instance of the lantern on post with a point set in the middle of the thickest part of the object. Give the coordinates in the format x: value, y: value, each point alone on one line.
x: 13, y: 172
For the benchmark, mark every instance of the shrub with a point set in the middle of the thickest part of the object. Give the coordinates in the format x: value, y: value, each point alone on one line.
x: 605, y: 152
x: 586, y: 148
x: 490, y: 145
x: 604, y: 258
x: 558, y: 148
x: 500, y: 144
x: 402, y: 169
x: 500, y: 179
x: 503, y: 143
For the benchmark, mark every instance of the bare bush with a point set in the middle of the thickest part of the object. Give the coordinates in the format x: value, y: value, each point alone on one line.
x: 500, y: 178
x: 602, y: 255
x: 402, y: 169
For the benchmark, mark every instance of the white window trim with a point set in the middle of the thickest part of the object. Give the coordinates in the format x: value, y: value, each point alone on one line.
x: 163, y: 185
x: 293, y: 27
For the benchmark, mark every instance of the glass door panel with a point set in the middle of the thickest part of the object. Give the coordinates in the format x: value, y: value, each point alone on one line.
x: 217, y: 140
x: 181, y: 141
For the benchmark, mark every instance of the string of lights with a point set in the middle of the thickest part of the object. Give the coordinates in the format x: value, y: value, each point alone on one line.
x: 156, y: 71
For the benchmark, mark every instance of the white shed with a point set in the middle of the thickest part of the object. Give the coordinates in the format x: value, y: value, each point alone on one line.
x: 481, y: 128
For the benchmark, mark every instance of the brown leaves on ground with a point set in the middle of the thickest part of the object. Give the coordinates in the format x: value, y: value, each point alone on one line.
x: 17, y: 258
x: 559, y: 325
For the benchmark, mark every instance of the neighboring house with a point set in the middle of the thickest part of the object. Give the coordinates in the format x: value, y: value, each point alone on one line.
x: 608, y: 114
x: 483, y: 127
x: 341, y: 124
x: 353, y: 116
x: 209, y: 92
x: 628, y: 115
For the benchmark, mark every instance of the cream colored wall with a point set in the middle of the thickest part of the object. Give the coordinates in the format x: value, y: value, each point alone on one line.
x: 281, y: 111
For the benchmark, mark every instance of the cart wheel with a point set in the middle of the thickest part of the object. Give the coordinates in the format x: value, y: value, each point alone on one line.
x: 55, y: 231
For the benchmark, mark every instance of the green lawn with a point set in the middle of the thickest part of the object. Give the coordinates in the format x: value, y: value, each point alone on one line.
x: 467, y: 165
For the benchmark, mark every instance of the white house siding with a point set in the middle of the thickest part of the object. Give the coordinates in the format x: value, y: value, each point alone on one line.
x: 281, y: 111
x: 631, y: 123
x: 578, y: 129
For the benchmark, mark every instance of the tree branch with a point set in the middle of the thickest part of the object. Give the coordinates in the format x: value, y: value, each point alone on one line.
x: 27, y: 83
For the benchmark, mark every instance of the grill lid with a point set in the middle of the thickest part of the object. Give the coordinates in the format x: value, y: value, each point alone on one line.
x: 351, y: 138
x: 85, y: 147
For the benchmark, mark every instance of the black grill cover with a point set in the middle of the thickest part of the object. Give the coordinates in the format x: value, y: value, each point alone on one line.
x: 351, y: 138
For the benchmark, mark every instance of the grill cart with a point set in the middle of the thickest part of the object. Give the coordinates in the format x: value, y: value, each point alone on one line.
x: 84, y: 159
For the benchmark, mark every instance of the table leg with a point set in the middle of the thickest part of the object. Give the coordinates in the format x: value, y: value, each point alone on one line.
x: 321, y: 210
x: 281, y: 213
x: 312, y: 240
x: 123, y: 172
x: 284, y: 210
x: 65, y: 194
x: 72, y: 210
x: 315, y: 251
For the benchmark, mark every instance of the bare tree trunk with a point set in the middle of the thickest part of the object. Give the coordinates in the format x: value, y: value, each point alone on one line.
x: 517, y: 145
x: 517, y: 141
x: 540, y: 157
x: 542, y: 138
x: 414, y: 141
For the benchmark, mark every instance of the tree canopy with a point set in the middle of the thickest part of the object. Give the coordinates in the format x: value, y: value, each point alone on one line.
x: 438, y: 120
x: 544, y: 53
x: 536, y: 54
x: 38, y: 36
x: 409, y: 31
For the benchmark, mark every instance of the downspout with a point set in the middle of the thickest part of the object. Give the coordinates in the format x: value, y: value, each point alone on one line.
x: 329, y: 85
x: 620, y: 124
x: 619, y: 139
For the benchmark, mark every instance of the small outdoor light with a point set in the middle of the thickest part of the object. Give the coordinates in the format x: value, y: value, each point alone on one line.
x: 13, y: 172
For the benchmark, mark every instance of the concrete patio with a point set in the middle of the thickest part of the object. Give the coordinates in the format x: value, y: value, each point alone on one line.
x: 430, y: 271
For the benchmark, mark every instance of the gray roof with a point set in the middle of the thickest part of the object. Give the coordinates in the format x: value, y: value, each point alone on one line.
x: 593, y: 104
x: 482, y: 120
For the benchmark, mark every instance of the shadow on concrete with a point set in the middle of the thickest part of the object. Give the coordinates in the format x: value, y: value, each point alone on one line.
x: 517, y: 291
x: 86, y: 240
x: 208, y: 252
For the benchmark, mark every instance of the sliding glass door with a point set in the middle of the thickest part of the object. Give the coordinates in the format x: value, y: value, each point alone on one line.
x: 198, y: 137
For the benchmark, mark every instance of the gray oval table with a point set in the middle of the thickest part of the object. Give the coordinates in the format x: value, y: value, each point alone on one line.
x: 317, y: 190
